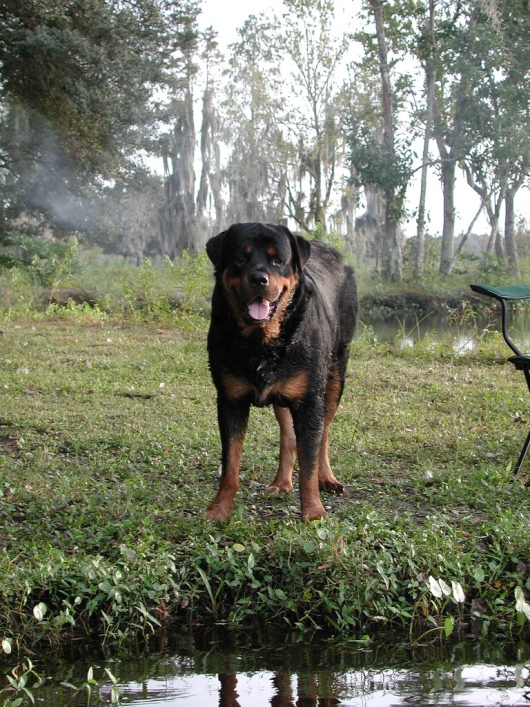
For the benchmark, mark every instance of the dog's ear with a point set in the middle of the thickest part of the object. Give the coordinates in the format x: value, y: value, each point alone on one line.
x: 214, y: 247
x: 303, y: 247
x: 300, y: 247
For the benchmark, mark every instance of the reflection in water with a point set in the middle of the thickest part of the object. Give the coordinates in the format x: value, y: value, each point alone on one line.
x: 477, y: 685
x: 232, y: 669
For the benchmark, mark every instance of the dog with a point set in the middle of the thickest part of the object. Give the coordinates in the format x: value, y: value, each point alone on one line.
x: 283, y: 314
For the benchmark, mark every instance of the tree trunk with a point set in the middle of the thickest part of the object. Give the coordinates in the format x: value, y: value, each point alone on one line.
x: 392, y: 254
x: 448, y: 233
x: 493, y: 210
x: 430, y: 75
x: 448, y: 141
x: 509, y: 233
x: 211, y: 180
x: 178, y: 218
x: 368, y: 227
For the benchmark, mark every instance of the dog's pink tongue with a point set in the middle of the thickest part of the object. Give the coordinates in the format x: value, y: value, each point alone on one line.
x: 259, y: 308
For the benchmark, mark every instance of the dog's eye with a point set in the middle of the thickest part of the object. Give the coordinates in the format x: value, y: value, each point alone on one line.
x: 240, y: 260
x: 277, y: 261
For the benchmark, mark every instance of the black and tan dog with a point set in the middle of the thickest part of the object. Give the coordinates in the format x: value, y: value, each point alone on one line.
x: 283, y: 314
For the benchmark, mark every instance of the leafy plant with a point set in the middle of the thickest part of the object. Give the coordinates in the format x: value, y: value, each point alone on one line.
x: 48, y: 262
x: 20, y: 689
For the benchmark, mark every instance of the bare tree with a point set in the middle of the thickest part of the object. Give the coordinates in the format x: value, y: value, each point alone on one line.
x: 209, y: 196
x: 254, y: 171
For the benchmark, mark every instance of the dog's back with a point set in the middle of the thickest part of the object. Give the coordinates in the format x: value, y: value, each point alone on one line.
x: 333, y: 283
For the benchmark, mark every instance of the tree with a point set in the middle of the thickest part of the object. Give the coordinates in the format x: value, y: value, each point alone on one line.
x: 499, y: 164
x: 315, y: 53
x: 177, y: 216
x: 427, y: 53
x: 463, y: 39
x: 209, y: 198
x: 392, y: 255
x: 252, y: 112
x: 380, y: 159
x: 76, y: 82
x: 128, y: 216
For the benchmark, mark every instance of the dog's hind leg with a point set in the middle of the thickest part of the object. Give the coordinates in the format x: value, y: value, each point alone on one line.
x: 233, y: 419
x: 326, y: 479
x: 283, y: 480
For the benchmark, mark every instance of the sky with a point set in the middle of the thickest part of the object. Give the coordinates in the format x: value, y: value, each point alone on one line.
x: 226, y: 17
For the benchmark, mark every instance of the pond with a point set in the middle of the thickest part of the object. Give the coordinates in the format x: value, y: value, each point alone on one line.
x: 216, y: 666
x: 407, y: 330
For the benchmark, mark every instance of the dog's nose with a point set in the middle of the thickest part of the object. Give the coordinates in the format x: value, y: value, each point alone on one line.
x: 259, y: 278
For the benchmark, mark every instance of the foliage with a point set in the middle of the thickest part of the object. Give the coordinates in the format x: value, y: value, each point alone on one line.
x: 91, y: 97
x: 48, y: 262
x: 377, y: 166
x: 18, y: 685
x: 77, y: 99
x: 88, y: 73
x: 20, y: 690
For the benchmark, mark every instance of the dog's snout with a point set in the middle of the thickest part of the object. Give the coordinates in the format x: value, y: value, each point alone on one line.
x: 258, y: 278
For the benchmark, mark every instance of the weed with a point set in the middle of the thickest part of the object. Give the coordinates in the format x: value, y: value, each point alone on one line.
x: 20, y: 690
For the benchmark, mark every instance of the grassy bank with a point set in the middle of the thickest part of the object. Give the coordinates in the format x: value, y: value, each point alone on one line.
x: 109, y: 453
x: 116, y: 288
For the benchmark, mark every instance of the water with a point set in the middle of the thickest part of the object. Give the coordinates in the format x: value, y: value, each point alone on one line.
x: 215, y: 666
x: 408, y: 330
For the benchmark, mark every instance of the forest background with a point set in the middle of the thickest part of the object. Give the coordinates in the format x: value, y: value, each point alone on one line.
x: 301, y: 121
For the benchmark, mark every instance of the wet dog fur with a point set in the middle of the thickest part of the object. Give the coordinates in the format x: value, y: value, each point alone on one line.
x: 283, y: 314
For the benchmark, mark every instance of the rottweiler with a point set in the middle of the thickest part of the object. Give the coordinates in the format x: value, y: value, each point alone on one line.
x: 283, y: 313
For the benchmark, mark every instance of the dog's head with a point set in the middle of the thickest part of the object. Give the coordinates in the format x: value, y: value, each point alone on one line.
x: 258, y: 266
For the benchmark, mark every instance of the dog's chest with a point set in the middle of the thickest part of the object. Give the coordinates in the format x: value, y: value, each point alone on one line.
x: 263, y: 371
x: 265, y: 379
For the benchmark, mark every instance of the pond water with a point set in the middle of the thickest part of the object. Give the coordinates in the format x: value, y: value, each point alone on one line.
x: 215, y: 666
x: 407, y: 330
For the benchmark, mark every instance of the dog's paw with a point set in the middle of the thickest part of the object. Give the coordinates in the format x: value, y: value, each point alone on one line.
x: 315, y: 511
x: 275, y: 489
x: 217, y: 511
x: 331, y: 486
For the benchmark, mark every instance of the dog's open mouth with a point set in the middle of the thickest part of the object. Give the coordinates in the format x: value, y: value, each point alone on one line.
x: 261, y: 310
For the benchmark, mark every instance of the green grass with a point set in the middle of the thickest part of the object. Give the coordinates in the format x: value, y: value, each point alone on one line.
x: 109, y: 453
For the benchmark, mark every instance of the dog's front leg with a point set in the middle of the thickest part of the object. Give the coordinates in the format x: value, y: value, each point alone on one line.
x: 308, y: 423
x: 233, y: 419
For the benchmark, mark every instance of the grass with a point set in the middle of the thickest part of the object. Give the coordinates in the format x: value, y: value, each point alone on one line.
x: 109, y: 452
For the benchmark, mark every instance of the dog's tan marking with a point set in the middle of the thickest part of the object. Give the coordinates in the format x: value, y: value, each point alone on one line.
x: 326, y: 478
x: 272, y: 329
x: 293, y: 388
x: 236, y: 387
